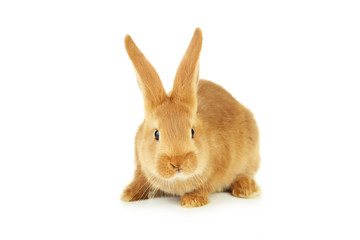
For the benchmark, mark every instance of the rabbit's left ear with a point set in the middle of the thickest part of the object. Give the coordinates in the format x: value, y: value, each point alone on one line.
x: 187, y: 75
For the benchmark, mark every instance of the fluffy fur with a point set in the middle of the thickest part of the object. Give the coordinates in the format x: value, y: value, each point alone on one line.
x: 223, y: 155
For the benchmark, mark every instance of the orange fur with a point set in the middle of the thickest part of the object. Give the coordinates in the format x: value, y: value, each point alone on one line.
x: 224, y: 153
x: 244, y: 186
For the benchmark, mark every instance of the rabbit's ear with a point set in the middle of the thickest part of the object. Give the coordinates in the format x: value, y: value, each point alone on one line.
x: 187, y: 75
x: 147, y: 77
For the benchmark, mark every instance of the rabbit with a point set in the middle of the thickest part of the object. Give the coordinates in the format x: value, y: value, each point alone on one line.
x: 194, y: 141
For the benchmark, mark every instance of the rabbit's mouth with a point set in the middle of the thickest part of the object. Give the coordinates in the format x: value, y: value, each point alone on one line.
x: 177, y: 167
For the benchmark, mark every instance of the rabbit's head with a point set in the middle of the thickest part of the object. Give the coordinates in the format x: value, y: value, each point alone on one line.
x: 171, y: 139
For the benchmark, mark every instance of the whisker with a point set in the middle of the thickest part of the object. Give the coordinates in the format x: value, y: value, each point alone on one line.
x: 204, y: 185
x: 210, y: 184
x: 143, y: 194
x: 197, y: 181
x: 155, y: 192
x: 147, y: 182
x: 157, y: 182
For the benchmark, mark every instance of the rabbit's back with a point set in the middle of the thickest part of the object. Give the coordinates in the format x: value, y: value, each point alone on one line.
x: 219, y: 108
x: 231, y: 129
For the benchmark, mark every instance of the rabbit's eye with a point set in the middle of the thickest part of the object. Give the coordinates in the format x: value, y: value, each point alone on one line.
x: 192, y: 133
x: 156, y: 135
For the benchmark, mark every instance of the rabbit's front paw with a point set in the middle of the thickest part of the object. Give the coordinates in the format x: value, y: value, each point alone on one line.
x: 245, y: 186
x: 136, y: 191
x: 133, y: 195
x: 189, y: 200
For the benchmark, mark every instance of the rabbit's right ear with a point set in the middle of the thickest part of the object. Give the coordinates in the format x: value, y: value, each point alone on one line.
x: 187, y: 74
x: 147, y: 77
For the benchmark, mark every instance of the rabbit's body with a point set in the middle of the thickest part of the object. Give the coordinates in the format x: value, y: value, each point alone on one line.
x: 194, y: 141
x: 233, y: 139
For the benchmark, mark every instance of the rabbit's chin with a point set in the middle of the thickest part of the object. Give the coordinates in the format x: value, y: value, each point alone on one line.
x: 180, y: 176
x: 177, y: 176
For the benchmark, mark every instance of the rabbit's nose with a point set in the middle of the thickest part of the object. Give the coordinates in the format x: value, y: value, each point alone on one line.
x: 178, y: 168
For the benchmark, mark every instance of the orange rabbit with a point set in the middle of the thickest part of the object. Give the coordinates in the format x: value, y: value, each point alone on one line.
x: 194, y: 141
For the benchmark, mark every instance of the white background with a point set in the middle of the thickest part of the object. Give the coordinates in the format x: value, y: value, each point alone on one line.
x: 70, y: 107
